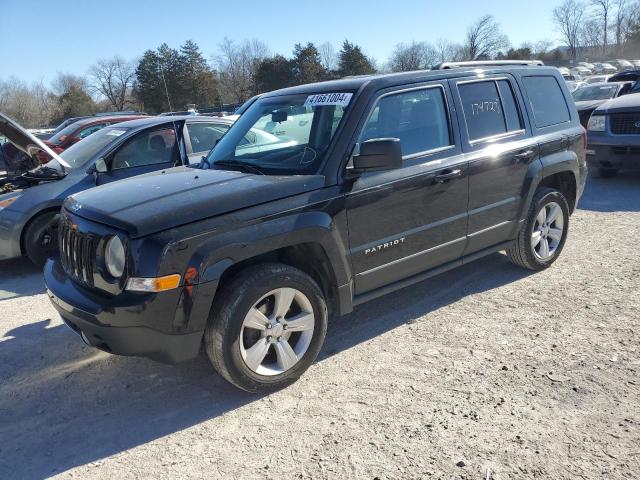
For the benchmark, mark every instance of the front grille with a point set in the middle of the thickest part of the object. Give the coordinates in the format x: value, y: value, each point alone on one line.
x: 77, y: 252
x: 625, y: 124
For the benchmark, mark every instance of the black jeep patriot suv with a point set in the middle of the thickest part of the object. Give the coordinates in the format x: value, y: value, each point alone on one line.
x: 319, y: 198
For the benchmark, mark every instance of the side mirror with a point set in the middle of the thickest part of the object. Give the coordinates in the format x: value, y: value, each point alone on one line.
x: 99, y: 167
x: 377, y: 155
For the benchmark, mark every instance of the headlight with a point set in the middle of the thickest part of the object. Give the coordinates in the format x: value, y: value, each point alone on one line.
x: 114, y: 257
x: 5, y: 202
x: 596, y: 123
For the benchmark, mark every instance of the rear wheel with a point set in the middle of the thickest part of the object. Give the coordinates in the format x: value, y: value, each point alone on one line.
x: 40, y: 238
x: 543, y: 233
x: 266, y: 328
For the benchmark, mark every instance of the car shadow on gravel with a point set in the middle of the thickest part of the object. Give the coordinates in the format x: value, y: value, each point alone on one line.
x: 72, y: 405
x: 18, y: 278
x: 619, y: 194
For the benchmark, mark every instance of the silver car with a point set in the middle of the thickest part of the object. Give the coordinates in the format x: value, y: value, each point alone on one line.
x: 30, y: 202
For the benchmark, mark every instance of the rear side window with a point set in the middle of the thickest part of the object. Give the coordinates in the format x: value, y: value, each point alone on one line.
x: 547, y: 100
x: 417, y: 117
x: 489, y: 108
x: 204, y: 136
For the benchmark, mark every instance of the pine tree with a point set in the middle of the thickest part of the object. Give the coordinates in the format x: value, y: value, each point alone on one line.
x: 307, y: 67
x: 352, y: 61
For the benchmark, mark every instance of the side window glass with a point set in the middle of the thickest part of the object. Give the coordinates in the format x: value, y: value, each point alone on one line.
x: 89, y: 130
x: 547, y: 100
x: 482, y: 109
x: 417, y: 117
x: 204, y: 136
x: 509, y: 106
x: 148, y: 148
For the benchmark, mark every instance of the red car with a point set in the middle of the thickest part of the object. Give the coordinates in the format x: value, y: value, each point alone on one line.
x: 78, y: 130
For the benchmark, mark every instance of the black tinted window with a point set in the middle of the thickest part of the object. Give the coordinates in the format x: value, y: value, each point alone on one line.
x: 482, y: 109
x: 418, y: 118
x: 547, y: 101
x: 509, y: 106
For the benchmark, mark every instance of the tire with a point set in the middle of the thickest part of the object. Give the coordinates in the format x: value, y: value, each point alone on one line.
x: 608, y: 172
x: 528, y: 253
x: 40, y: 238
x: 231, y: 343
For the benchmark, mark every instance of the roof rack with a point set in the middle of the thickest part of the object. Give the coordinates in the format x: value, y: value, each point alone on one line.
x: 488, y: 63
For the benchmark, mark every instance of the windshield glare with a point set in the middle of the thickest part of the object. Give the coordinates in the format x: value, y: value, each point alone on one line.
x: 284, y: 134
x: 596, y: 92
x: 80, y: 153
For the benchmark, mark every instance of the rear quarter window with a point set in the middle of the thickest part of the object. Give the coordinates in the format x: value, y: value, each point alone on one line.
x: 547, y: 100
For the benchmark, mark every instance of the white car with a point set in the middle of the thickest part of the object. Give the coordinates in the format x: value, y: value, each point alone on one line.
x: 581, y: 71
x: 621, y: 64
x: 604, y: 68
x: 597, y: 78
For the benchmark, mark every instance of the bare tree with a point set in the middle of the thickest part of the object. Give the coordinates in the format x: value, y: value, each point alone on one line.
x: 30, y: 105
x: 541, y: 48
x: 568, y: 19
x: 591, y: 34
x: 447, y: 51
x: 604, y: 8
x: 237, y: 66
x: 622, y: 15
x: 414, y: 56
x: 113, y: 79
x: 484, y: 39
x: 328, y: 56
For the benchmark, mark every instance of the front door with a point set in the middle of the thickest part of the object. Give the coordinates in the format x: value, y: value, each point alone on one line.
x: 408, y: 220
x: 148, y: 151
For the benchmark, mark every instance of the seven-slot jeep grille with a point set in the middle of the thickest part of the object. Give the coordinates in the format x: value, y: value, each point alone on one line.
x: 77, y: 252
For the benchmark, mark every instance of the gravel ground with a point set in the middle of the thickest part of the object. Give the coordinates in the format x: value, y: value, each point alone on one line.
x: 488, y: 371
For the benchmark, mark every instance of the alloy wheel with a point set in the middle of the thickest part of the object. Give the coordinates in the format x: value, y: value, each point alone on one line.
x: 277, y: 331
x: 547, y: 231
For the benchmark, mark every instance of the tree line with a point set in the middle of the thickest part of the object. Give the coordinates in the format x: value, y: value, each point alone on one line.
x: 171, y: 79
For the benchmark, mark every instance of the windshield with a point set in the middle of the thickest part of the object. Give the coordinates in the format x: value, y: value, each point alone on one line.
x: 79, y: 153
x: 283, y: 135
x: 595, y: 92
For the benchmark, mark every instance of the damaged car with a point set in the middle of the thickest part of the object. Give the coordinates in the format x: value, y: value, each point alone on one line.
x: 30, y: 202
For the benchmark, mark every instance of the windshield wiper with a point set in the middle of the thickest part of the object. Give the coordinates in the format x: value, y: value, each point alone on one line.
x: 236, y: 163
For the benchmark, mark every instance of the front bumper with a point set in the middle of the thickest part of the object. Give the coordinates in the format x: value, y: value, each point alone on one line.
x: 613, y: 151
x: 121, y: 326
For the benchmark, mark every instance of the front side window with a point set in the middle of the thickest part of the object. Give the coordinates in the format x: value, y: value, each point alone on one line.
x: 147, y: 148
x: 417, y: 117
x: 204, y: 136
x: 547, y: 100
x: 288, y: 134
x: 489, y: 108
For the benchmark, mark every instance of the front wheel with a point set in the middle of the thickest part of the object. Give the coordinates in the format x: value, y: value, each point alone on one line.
x: 544, y: 231
x: 266, y: 328
x: 40, y: 238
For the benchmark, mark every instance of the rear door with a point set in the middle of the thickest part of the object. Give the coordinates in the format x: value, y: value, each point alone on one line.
x: 411, y: 219
x: 497, y: 139
x: 155, y: 148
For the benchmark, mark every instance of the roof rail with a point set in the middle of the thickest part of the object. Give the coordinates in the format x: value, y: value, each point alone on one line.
x: 487, y: 63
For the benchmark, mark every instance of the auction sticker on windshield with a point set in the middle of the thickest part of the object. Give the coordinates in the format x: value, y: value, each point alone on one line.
x: 326, y: 99
x: 115, y: 132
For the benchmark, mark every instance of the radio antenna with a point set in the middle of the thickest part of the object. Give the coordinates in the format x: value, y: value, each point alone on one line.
x: 166, y: 90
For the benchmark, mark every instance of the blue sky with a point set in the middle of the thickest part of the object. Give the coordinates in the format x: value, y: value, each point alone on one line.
x: 40, y: 38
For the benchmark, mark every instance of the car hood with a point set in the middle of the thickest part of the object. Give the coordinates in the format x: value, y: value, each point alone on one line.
x: 158, y: 201
x: 588, y: 104
x: 25, y: 141
x: 624, y: 104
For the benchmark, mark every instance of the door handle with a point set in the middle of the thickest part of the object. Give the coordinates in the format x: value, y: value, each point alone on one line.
x: 524, y: 156
x: 448, y: 175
